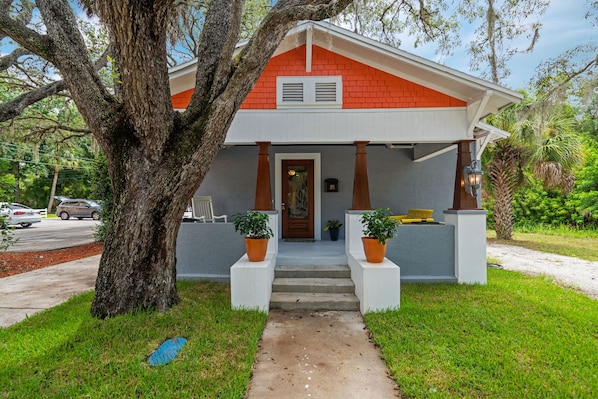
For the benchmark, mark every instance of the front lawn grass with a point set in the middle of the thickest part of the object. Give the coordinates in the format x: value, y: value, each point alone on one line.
x: 65, y: 353
x: 517, y: 337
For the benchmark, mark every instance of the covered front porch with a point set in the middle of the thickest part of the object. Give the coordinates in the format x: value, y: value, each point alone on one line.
x: 418, y: 253
x: 410, y: 249
x: 206, y: 251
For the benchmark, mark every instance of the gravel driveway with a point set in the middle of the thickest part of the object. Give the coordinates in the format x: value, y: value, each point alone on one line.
x: 578, y: 273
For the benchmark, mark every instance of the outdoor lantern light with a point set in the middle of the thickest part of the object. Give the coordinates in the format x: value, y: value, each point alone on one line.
x: 472, y: 176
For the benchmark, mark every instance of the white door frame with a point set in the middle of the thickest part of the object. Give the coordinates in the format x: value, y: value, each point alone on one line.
x: 278, y: 158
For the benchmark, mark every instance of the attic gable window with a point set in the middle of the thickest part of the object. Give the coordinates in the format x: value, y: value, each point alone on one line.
x: 309, y: 92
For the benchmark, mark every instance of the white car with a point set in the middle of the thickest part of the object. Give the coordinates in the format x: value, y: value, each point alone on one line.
x: 19, y: 214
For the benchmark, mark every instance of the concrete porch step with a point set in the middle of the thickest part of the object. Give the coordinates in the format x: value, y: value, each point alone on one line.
x: 314, y: 285
x: 312, y: 271
x: 314, y: 301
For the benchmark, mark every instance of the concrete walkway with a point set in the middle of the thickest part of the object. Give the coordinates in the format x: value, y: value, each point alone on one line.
x: 25, y: 294
x: 318, y: 355
x: 301, y: 355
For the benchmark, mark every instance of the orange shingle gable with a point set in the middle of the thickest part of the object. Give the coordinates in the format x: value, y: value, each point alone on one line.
x: 363, y: 86
x: 182, y: 99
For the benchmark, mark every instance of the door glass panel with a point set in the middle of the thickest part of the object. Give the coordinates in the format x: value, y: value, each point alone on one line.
x: 298, y: 200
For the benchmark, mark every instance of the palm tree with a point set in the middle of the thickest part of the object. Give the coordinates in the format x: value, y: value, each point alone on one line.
x: 505, y: 171
x: 557, y: 153
x: 543, y: 141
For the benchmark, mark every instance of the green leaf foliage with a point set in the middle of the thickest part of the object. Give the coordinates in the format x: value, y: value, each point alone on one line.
x: 253, y: 224
x: 6, y: 234
x: 378, y: 224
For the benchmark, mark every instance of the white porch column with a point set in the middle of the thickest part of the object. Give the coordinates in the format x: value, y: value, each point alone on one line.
x: 353, y: 231
x: 470, y: 244
x: 273, y: 223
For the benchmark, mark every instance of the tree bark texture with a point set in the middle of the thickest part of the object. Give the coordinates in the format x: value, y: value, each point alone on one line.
x: 157, y: 158
x: 503, y: 171
x: 503, y: 206
x: 53, y: 190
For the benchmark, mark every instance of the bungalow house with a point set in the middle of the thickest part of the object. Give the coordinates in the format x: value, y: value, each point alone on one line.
x: 338, y: 124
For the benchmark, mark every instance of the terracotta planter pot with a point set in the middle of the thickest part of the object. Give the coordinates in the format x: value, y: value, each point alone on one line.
x: 374, y: 251
x: 256, y: 248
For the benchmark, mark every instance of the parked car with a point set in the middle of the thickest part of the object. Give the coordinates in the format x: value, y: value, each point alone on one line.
x: 78, y: 208
x: 18, y: 214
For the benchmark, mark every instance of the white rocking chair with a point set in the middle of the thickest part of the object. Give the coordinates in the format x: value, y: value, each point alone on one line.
x: 203, y: 210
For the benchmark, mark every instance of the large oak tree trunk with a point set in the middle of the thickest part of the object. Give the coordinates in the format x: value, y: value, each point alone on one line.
x: 138, y: 264
x: 156, y: 157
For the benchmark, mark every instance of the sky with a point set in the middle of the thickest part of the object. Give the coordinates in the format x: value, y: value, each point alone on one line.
x: 563, y: 27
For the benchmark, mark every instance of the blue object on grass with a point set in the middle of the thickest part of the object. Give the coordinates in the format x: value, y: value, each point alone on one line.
x: 167, y: 351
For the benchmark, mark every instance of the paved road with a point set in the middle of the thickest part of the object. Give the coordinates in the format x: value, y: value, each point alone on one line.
x: 54, y: 234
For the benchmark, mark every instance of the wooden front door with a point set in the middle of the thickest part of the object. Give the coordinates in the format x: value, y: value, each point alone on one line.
x: 298, y: 198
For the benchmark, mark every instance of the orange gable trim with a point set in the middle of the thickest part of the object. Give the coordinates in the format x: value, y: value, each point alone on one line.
x: 363, y: 86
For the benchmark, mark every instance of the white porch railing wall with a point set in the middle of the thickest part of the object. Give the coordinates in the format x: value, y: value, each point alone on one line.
x: 251, y: 282
x: 377, y: 285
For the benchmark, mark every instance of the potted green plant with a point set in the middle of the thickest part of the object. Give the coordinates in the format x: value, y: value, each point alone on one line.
x: 254, y: 226
x: 378, y: 228
x: 333, y: 226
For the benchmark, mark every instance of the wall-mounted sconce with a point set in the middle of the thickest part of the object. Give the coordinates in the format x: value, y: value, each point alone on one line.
x: 472, y: 176
x: 331, y: 185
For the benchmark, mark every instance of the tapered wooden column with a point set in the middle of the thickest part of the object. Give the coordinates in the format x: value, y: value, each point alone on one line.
x: 263, y: 192
x: 461, y: 199
x: 361, y: 186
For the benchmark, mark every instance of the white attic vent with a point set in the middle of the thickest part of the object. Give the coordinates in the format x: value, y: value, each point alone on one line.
x: 309, y: 92
x: 292, y: 92
x: 325, y: 92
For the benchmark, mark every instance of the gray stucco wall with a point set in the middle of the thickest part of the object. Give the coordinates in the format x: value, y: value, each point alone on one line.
x: 206, y: 251
x: 425, y: 253
x: 395, y: 180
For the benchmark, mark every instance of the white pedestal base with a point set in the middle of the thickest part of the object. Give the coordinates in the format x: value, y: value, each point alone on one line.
x: 470, y: 245
x: 251, y: 283
x: 377, y: 285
